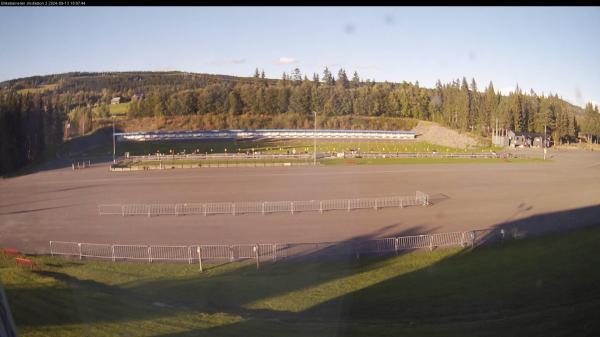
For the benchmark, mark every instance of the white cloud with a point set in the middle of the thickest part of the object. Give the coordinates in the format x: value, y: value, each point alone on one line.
x: 287, y: 60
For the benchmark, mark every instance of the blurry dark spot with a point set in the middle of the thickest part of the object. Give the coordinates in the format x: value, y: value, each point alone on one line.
x: 389, y: 19
x: 578, y: 95
x: 349, y: 29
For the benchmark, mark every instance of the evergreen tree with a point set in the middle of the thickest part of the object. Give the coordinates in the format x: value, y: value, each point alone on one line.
x: 316, y: 79
x: 297, y: 76
x: 355, y: 82
x: 342, y: 80
x: 328, y: 77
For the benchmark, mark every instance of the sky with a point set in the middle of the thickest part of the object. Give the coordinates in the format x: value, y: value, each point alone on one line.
x: 547, y: 49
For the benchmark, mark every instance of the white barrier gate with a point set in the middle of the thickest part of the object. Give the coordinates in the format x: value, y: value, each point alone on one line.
x: 265, y: 207
x: 274, y: 252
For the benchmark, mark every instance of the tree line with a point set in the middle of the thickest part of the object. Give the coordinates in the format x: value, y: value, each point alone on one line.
x: 32, y: 121
x: 30, y: 125
x: 458, y: 104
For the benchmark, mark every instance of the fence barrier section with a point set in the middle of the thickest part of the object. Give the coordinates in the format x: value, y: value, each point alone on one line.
x: 272, y: 251
x: 263, y: 207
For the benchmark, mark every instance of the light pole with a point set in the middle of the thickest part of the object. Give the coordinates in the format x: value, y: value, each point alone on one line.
x: 114, y: 141
x: 544, y: 144
x: 315, y: 141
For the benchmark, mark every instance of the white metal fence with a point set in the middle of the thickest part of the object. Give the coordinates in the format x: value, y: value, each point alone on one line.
x: 263, y: 207
x: 158, y: 165
x: 219, y: 156
x: 266, y: 251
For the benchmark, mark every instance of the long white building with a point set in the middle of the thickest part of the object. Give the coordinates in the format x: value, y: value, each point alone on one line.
x: 266, y: 133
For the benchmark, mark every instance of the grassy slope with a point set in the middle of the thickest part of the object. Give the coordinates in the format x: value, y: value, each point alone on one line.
x: 40, y: 89
x: 118, y: 110
x: 540, y: 287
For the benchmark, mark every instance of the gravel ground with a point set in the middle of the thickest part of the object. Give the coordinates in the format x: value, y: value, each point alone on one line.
x: 61, y: 204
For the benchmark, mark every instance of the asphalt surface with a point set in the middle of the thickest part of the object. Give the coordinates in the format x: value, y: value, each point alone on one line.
x: 61, y: 204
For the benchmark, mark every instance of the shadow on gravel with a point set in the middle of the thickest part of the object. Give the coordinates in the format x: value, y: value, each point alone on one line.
x: 541, y: 224
x: 33, y: 210
x: 437, y: 198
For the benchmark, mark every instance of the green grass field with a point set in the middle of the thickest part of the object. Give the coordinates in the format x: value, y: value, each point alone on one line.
x: 207, y: 162
x: 271, y: 146
x: 547, y: 286
x: 40, y: 89
x: 119, y: 109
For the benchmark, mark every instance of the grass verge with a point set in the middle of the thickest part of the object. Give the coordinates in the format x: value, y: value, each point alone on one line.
x: 545, y: 286
x: 274, y: 146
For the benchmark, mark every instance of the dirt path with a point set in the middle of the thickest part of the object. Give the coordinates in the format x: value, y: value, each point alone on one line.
x: 435, y: 134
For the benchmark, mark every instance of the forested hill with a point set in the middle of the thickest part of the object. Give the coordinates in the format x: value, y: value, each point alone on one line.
x: 459, y: 104
x: 35, y: 110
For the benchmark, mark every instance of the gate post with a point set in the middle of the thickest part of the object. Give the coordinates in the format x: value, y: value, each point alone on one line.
x: 274, y: 248
x: 79, y: 244
x: 256, y: 252
x: 431, y: 243
x: 51, y: 252
x: 149, y: 255
x: 348, y: 205
x: 231, y: 254
x: 321, y: 206
x: 123, y: 210
x: 112, y: 249
x: 263, y: 208
x: 375, y: 204
x: 204, y: 206
x: 396, y: 243
x: 292, y: 206
x: 148, y: 210
x: 233, y: 208
x: 199, y: 257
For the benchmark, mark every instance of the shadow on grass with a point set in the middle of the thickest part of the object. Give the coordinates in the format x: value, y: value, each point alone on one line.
x: 88, y: 301
x: 72, y: 151
x: 539, y: 287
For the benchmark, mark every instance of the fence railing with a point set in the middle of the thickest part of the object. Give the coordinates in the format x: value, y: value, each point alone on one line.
x: 157, y: 165
x: 263, y: 207
x: 427, y: 155
x: 270, y: 252
x: 223, y: 156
